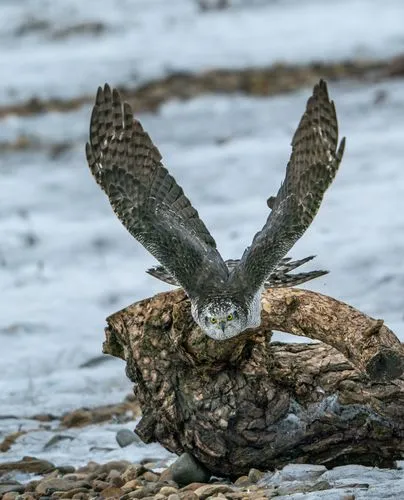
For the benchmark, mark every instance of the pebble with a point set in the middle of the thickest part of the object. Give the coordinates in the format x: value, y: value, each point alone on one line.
x: 130, y: 485
x: 150, y: 476
x: 112, y: 492
x: 209, y: 490
x: 48, y: 486
x: 302, y: 472
x: 125, y: 437
x: 255, y: 475
x: 242, y: 481
x: 174, y: 496
x: 12, y: 495
x: 168, y: 490
x: 188, y: 495
x: 132, y: 472
x: 29, y: 465
x: 11, y: 487
x: 186, y: 469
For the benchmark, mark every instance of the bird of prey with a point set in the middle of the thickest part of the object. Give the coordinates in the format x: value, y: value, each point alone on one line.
x: 225, y: 296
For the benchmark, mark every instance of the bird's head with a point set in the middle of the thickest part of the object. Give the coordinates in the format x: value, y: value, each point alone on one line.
x: 221, y: 319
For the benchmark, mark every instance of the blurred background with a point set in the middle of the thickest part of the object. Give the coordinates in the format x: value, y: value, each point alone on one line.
x: 220, y: 86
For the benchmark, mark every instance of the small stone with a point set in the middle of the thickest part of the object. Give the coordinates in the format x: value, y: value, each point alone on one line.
x: 130, y: 485
x: 81, y: 496
x: 11, y: 495
x: 174, y: 496
x: 119, y: 465
x: 237, y: 494
x: 125, y: 437
x: 188, y: 495
x: 320, y: 486
x: 11, y: 487
x: 242, y: 481
x: 150, y: 476
x: 150, y: 465
x: 102, y: 476
x: 99, y: 485
x: 111, y: 492
x: 255, y: 475
x: 76, y: 476
x: 209, y: 490
x: 186, y: 469
x: 192, y: 486
x: 113, y: 474
x: 132, y: 472
x: 49, y: 485
x: 139, y: 493
x: 66, y: 469
x: 70, y: 493
x: 168, y: 490
x: 302, y: 472
x: 31, y: 486
x: 29, y: 465
x: 167, y: 476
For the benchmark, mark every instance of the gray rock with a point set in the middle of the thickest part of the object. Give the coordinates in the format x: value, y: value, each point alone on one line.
x: 66, y: 469
x: 346, y: 475
x: 391, y: 490
x: 11, y: 486
x: 30, y: 465
x: 302, y: 472
x: 186, y: 470
x: 125, y: 437
x: 255, y: 475
x: 48, y: 485
x: 212, y: 490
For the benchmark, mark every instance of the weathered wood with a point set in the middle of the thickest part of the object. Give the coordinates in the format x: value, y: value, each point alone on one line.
x: 366, y: 342
x: 246, y: 402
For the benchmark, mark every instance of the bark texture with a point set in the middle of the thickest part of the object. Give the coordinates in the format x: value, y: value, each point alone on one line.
x: 246, y: 402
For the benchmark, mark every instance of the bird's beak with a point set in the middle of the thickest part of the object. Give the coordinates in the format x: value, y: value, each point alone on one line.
x: 222, y: 325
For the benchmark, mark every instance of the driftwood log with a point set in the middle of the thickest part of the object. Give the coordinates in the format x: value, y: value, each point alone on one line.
x: 246, y: 402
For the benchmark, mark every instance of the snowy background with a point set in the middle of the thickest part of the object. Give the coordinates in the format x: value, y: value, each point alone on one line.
x: 66, y: 262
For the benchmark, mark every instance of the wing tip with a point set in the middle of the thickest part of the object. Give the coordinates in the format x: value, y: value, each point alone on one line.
x: 341, y: 149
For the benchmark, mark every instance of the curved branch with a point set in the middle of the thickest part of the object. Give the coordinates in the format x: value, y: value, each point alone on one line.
x: 366, y: 342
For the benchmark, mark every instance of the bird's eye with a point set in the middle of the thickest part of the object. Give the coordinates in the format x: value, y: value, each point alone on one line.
x: 229, y: 317
x: 213, y: 320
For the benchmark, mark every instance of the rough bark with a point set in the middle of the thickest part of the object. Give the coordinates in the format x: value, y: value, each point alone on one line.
x: 247, y: 402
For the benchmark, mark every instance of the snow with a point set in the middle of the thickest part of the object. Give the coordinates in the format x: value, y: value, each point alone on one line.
x: 145, y: 39
x: 66, y: 262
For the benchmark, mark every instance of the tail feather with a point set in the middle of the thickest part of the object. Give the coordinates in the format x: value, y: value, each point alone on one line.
x: 281, y: 277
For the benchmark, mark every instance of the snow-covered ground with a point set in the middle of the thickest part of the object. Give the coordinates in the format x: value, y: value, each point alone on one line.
x: 148, y: 38
x: 65, y: 260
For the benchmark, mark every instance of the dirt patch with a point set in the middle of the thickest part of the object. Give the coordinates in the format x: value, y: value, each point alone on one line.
x: 266, y: 81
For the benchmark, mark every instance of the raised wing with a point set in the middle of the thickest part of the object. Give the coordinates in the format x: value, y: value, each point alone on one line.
x: 146, y: 198
x: 311, y: 169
